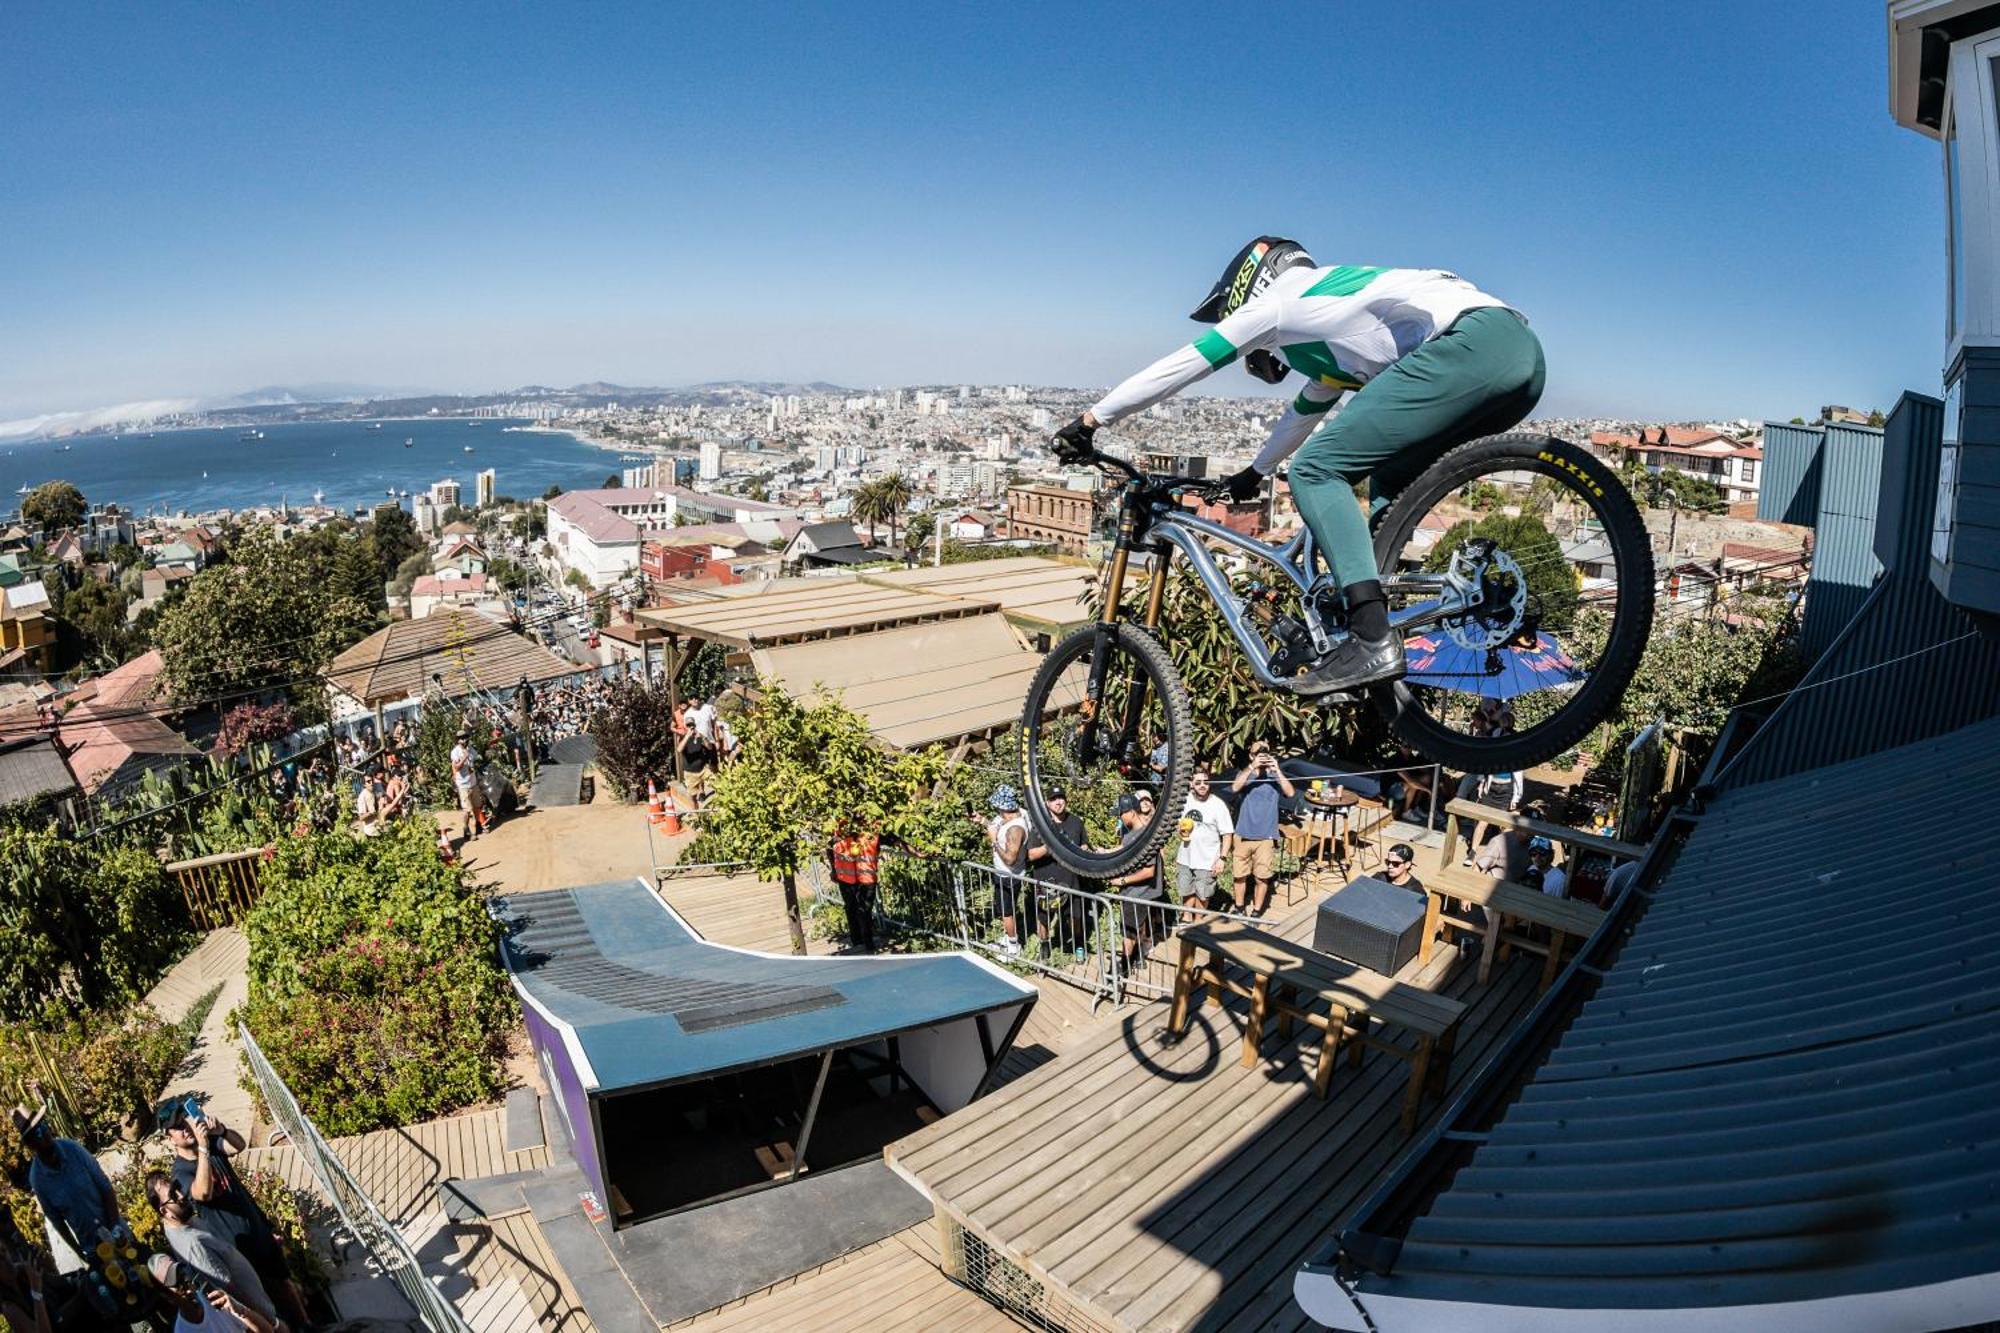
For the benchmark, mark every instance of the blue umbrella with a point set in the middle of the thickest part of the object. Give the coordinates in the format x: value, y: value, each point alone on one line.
x: 1506, y: 672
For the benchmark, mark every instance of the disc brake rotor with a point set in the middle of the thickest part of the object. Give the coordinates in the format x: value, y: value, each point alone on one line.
x: 1501, y: 609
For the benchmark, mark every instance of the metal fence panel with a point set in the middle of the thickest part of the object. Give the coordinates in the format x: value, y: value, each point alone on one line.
x: 363, y: 1220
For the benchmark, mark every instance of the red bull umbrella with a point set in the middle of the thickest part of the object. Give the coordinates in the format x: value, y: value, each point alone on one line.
x: 1507, y: 672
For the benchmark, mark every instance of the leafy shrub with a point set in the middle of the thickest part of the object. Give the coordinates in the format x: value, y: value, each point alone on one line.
x: 248, y: 724
x: 100, y: 1066
x: 82, y: 924
x: 635, y: 736
x: 375, y: 989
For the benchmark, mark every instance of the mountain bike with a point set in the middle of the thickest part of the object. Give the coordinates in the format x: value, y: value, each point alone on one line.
x: 1516, y: 644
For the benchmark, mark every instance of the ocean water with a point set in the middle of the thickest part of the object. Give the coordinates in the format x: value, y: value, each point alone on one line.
x: 172, y: 471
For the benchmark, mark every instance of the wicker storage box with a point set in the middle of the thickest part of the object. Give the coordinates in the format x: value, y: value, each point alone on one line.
x: 1373, y: 923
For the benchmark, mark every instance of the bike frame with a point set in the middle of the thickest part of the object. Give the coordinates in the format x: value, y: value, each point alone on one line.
x: 1160, y: 524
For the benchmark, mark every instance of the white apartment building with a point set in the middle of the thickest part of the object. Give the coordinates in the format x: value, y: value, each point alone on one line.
x: 711, y: 461
x: 599, y: 532
x: 444, y: 494
x: 483, y: 488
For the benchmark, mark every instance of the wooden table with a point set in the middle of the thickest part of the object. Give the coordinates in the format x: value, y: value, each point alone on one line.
x: 1505, y: 904
x: 1334, y: 810
x: 1288, y: 979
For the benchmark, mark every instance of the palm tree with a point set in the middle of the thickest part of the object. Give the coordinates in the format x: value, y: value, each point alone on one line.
x: 895, y: 491
x: 869, y: 506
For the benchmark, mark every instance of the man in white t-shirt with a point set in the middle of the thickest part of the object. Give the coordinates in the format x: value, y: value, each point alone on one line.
x: 465, y: 781
x: 1208, y: 831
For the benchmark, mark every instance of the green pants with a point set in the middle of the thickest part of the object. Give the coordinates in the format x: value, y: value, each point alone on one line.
x: 1477, y: 378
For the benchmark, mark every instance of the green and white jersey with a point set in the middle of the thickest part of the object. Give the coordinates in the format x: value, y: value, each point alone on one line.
x: 1339, y: 327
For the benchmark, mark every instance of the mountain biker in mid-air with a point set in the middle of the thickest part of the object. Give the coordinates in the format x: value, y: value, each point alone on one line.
x: 1432, y: 360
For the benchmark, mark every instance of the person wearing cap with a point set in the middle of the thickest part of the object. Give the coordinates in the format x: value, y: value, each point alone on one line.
x: 1007, y: 833
x: 1543, y: 872
x: 465, y: 781
x: 1067, y: 910
x: 1139, y: 888
x: 855, y: 858
x: 203, y: 1248
x: 1399, y: 867
x: 199, y: 1307
x: 75, y: 1195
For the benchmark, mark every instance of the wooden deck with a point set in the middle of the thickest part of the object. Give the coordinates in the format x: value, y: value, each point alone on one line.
x: 739, y: 910
x: 1158, y: 1187
x: 892, y: 1286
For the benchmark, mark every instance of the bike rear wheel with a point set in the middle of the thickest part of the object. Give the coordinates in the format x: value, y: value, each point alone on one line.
x: 1106, y: 718
x: 1568, y: 609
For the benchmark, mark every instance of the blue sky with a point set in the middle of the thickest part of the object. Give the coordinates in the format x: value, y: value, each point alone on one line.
x: 1704, y: 207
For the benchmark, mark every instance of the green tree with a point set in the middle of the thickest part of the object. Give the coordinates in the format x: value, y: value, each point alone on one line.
x: 809, y: 768
x: 1552, y: 580
x: 552, y: 492
x: 919, y: 530
x: 869, y: 505
x: 91, y: 624
x: 614, y: 482
x: 53, y: 506
x: 375, y: 989
x: 124, y: 556
x: 895, y: 490
x: 507, y: 574
x: 409, y: 572
x: 392, y: 539
x: 267, y: 617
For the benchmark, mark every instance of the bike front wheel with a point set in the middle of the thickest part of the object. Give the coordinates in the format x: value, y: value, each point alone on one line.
x: 1565, y: 611
x: 1106, y: 722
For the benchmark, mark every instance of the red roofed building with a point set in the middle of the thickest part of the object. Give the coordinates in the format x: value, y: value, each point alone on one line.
x: 1694, y: 451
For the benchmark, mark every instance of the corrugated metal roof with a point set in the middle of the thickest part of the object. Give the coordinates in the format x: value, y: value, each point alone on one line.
x: 1906, y: 664
x: 1850, y: 475
x: 1788, y: 489
x: 1785, y: 1087
x: 805, y: 609
x: 32, y: 768
x: 1037, y: 593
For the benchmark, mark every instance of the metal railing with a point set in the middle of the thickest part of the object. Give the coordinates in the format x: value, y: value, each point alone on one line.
x: 1025, y: 922
x: 358, y: 1213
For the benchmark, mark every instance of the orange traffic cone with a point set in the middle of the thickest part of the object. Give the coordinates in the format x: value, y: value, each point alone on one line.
x: 655, y: 815
x: 670, y: 822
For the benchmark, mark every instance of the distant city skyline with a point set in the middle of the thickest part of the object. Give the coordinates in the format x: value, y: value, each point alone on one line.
x: 1711, y: 217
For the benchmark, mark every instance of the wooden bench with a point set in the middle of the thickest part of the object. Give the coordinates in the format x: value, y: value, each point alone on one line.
x: 1573, y: 840
x: 1288, y: 979
x: 1505, y: 904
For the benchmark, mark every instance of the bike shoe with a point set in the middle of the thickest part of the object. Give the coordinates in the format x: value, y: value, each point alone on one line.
x: 1352, y: 663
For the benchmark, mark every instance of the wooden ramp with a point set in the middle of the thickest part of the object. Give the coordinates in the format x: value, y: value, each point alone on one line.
x: 1129, y: 1184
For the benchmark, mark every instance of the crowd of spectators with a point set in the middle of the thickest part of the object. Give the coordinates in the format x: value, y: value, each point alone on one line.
x: 222, y: 1265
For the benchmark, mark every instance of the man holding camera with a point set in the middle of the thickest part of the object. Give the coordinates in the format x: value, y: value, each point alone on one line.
x: 1258, y: 785
x: 202, y: 1173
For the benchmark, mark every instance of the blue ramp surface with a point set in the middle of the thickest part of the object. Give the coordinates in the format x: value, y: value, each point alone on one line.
x: 646, y: 1001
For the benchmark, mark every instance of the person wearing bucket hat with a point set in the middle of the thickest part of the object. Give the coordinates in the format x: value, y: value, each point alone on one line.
x: 75, y: 1194
x: 1007, y: 832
